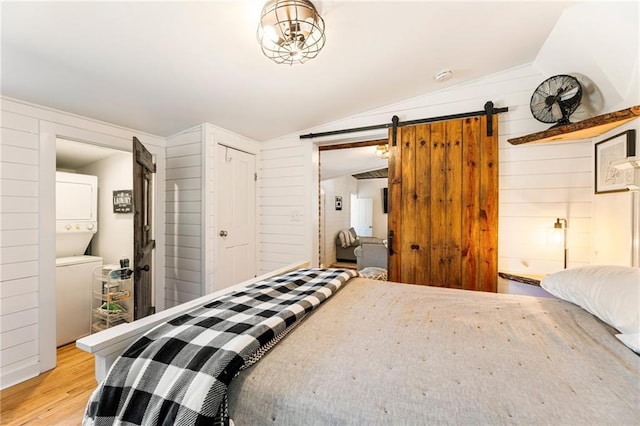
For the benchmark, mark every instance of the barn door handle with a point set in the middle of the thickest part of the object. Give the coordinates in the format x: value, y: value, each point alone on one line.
x: 390, y: 243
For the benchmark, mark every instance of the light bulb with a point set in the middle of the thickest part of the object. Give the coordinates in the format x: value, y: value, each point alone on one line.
x: 270, y: 34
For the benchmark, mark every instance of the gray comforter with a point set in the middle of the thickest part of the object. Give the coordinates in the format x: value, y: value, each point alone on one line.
x: 398, y: 354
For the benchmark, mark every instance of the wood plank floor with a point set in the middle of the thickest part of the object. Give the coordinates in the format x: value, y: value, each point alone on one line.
x: 347, y: 265
x: 57, y: 397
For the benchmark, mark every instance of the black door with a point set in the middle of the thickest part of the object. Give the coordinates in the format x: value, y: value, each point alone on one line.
x: 143, y: 242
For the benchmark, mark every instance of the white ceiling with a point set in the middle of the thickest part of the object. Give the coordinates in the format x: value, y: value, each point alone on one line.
x: 72, y: 155
x: 339, y: 162
x: 163, y: 67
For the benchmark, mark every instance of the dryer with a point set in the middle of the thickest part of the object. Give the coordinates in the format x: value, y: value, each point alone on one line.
x: 76, y: 212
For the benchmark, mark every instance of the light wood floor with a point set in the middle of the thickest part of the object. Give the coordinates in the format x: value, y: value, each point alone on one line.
x: 57, y: 397
x: 347, y: 265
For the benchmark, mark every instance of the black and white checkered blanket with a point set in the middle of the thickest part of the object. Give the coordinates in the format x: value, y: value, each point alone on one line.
x: 178, y: 372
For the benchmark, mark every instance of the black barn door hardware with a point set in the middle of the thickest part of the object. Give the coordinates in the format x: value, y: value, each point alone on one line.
x: 488, y: 110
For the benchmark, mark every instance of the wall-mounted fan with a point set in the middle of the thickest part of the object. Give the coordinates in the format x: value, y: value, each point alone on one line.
x: 555, y: 99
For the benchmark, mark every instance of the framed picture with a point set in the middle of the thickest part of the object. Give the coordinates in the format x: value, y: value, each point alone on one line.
x: 607, y: 177
x: 123, y: 201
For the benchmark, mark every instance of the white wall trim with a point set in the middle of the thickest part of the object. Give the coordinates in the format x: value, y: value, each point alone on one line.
x: 47, y: 247
x: 47, y: 270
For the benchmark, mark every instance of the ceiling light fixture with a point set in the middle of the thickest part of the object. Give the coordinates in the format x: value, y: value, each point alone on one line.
x: 382, y: 151
x: 290, y: 31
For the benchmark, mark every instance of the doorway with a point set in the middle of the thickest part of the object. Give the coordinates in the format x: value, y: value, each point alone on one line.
x: 90, y: 234
x: 350, y: 172
x: 117, y: 139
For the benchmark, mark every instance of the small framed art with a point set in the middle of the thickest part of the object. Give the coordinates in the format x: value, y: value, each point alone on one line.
x: 123, y: 201
x: 609, y: 178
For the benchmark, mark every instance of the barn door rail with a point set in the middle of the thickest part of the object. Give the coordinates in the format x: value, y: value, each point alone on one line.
x: 489, y: 110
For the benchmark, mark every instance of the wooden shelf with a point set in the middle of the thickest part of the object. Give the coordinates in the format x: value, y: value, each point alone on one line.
x: 584, y: 129
x: 530, y: 279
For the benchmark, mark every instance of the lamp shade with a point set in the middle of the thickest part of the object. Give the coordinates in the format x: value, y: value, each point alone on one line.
x: 290, y: 31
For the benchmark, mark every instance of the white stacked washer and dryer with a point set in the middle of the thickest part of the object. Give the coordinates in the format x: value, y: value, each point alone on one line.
x: 76, y: 224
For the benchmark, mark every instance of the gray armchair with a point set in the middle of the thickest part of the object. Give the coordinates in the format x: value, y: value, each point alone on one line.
x: 371, y: 255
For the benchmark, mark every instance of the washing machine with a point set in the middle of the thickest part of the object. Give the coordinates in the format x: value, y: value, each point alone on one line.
x: 74, y: 284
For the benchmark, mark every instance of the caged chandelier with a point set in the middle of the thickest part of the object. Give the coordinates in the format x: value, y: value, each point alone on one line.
x: 290, y: 31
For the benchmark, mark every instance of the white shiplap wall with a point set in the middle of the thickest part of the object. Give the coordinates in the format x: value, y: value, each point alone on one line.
x: 284, y: 202
x: 27, y: 226
x: 190, y: 209
x: 19, y: 191
x: 184, y: 201
x: 538, y: 182
x: 335, y: 220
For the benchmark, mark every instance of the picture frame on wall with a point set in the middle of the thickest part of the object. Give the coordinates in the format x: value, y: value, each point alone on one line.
x: 123, y: 201
x: 608, y: 152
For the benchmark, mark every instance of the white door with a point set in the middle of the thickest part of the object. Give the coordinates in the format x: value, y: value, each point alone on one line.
x: 236, y: 211
x: 365, y: 217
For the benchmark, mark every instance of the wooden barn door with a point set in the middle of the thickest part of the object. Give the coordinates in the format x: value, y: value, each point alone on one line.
x: 443, y: 205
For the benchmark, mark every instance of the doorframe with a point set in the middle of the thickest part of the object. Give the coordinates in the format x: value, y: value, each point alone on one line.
x: 49, y: 132
x: 317, y: 148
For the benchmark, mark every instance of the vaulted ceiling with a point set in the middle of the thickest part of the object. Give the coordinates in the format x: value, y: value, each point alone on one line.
x: 162, y: 67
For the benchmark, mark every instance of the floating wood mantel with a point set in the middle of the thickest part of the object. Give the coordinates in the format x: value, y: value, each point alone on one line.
x: 584, y: 129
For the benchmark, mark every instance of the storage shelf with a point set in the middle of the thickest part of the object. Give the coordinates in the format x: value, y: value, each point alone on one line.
x: 584, y: 129
x: 112, y: 285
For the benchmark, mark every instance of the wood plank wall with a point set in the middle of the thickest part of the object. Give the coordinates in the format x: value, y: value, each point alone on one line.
x: 183, y: 228
x: 537, y: 182
x: 19, y: 280
x: 283, y: 186
x: 27, y: 226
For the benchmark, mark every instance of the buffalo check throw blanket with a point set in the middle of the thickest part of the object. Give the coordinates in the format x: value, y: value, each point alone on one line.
x: 178, y: 372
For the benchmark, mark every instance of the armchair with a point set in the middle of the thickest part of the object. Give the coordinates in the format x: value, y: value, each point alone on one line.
x: 346, y: 253
x: 371, y: 255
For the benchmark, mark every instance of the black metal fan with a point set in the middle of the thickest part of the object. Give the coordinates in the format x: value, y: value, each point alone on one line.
x: 555, y: 99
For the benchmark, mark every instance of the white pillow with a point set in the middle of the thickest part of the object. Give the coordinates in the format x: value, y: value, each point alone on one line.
x: 612, y: 293
x: 631, y: 340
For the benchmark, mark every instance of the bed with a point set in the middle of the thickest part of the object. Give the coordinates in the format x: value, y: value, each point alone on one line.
x: 386, y: 353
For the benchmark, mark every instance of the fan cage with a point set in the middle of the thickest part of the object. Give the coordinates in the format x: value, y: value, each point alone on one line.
x: 539, y: 104
x: 291, y: 31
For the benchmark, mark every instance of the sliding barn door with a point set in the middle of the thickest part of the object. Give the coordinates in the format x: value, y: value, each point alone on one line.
x: 443, y: 205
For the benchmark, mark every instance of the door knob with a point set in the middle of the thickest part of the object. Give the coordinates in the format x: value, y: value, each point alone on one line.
x: 143, y: 268
x: 223, y: 233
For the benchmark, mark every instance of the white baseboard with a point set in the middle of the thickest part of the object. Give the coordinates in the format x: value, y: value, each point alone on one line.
x: 19, y: 372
